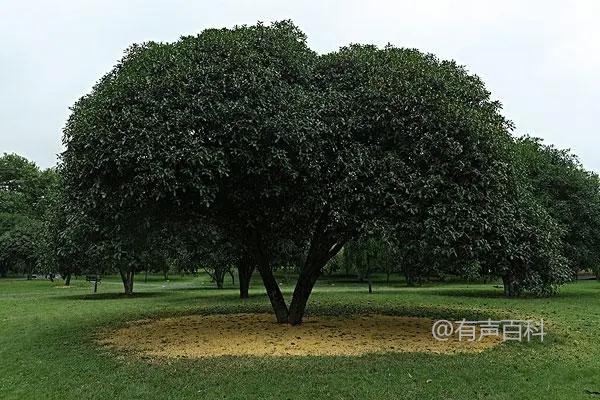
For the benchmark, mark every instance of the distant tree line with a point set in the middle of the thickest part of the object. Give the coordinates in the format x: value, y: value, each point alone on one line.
x: 242, y: 149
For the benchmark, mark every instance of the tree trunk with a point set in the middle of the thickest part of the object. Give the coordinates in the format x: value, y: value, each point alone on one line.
x: 323, y: 247
x: 68, y: 279
x: 127, y: 278
x: 304, y: 286
x: 274, y: 293
x: 410, y: 281
x: 245, y: 270
x: 370, y: 285
x: 219, y: 277
x: 510, y: 286
x: 130, y: 283
x: 315, y: 262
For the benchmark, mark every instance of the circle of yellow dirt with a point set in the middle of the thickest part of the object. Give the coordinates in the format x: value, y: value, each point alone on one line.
x: 200, y: 336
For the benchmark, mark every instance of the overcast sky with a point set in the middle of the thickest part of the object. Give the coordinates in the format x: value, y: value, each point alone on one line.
x: 541, y: 59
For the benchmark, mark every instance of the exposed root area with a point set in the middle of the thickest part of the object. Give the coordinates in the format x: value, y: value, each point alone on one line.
x: 199, y: 336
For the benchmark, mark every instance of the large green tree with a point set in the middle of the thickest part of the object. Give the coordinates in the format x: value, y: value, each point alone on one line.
x: 249, y: 129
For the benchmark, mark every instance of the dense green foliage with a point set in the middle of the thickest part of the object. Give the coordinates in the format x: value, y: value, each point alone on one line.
x: 571, y: 196
x: 26, y: 198
x: 250, y: 132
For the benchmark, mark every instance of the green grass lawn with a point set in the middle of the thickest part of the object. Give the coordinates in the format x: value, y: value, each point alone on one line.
x: 47, y: 349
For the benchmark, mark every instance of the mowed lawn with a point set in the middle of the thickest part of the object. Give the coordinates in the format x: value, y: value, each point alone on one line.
x: 47, y: 348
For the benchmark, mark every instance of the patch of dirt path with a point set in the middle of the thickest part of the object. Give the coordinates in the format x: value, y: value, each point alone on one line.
x: 199, y: 336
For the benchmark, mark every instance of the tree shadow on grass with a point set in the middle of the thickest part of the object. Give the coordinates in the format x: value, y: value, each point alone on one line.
x: 323, y: 306
x: 201, y: 288
x: 498, y: 293
x: 492, y: 293
x: 211, y: 297
x: 112, y: 296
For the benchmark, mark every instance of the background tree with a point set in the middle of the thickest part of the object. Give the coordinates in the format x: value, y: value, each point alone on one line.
x: 245, y: 266
x: 218, y: 262
x: 366, y: 255
x: 21, y: 188
x: 527, y: 254
x: 25, y: 203
x: 23, y: 248
x: 570, y: 194
x: 68, y: 230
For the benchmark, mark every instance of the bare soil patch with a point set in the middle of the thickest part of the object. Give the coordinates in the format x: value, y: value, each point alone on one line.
x: 199, y: 336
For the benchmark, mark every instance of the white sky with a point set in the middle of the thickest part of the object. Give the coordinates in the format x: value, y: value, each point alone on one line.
x: 541, y: 59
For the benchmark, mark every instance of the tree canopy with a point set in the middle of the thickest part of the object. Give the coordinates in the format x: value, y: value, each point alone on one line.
x: 26, y: 194
x: 252, y: 132
x: 569, y: 193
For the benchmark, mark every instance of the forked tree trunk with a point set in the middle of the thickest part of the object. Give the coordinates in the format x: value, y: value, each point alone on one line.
x: 323, y: 246
x: 68, y: 279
